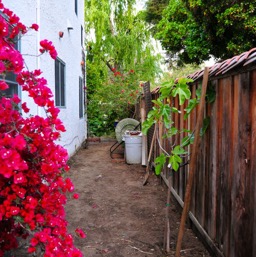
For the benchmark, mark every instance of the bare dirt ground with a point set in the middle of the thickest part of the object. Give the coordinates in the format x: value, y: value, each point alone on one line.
x: 121, y: 217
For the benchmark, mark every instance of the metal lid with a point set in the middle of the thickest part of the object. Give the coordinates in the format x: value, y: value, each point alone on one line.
x: 124, y: 125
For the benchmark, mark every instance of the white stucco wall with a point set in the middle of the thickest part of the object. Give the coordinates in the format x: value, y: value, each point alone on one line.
x: 53, y: 17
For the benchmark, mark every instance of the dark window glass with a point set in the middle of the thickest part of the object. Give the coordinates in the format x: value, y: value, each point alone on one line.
x: 81, y: 106
x: 59, y: 83
x: 76, y: 7
x: 82, y: 35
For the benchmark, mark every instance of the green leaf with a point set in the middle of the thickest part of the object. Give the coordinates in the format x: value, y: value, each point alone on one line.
x: 152, y: 113
x: 186, y: 130
x: 146, y: 125
x: 183, y: 92
x: 166, y: 88
x: 210, y: 94
x: 18, y: 219
x: 165, y: 110
x: 175, y: 110
x: 206, y: 123
x: 172, y: 131
x: 157, y: 102
x: 175, y: 161
x: 159, y: 162
x: 187, y: 140
x: 178, y: 150
x: 191, y: 105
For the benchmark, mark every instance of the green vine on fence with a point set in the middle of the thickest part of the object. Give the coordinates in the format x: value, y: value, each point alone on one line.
x: 162, y: 112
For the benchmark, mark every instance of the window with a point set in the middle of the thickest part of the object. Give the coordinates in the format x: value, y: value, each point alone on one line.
x: 76, y: 7
x: 82, y: 36
x: 10, y: 77
x: 81, y: 106
x: 59, y: 83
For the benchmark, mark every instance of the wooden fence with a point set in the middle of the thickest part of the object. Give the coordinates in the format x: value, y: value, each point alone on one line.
x: 223, y: 200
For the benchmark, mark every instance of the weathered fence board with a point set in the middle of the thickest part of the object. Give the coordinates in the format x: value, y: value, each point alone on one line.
x: 224, y: 194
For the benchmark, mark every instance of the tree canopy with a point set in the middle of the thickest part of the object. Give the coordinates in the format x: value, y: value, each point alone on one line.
x: 194, y: 30
x: 120, y: 54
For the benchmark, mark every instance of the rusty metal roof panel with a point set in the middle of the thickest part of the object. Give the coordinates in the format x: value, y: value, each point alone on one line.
x: 223, y: 67
x: 250, y: 59
x: 155, y: 90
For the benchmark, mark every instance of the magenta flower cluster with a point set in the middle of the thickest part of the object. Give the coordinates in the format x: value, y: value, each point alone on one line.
x: 33, y: 180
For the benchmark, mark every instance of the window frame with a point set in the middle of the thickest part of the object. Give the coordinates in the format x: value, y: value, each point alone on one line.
x: 14, y: 87
x: 60, y: 83
x: 81, y: 96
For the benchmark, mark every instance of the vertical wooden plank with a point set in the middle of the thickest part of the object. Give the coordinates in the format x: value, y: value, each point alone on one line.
x: 181, y: 170
x: 235, y: 163
x: 219, y: 205
x: 213, y: 163
x: 225, y: 163
x: 241, y: 237
x: 176, y: 124
x: 202, y: 174
x: 192, y: 123
x: 200, y: 181
x: 185, y: 169
x: 207, y: 194
x: 253, y: 154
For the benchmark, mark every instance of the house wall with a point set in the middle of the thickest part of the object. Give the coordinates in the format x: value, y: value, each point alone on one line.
x: 53, y: 17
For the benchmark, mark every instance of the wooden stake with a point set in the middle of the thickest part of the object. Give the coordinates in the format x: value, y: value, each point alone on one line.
x: 192, y: 166
x: 167, y: 228
x: 149, y: 157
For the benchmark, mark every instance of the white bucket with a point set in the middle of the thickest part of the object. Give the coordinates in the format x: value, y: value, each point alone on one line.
x: 133, y: 149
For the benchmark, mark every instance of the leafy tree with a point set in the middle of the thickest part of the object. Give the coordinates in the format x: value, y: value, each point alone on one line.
x: 120, y: 55
x: 154, y: 9
x: 194, y: 30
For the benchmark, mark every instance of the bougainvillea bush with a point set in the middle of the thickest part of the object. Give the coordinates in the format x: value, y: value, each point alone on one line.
x: 33, y: 184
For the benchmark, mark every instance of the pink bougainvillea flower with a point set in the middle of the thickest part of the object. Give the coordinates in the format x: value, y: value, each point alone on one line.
x: 32, y: 187
x: 3, y: 85
x: 31, y: 249
x: 47, y: 45
x: 19, y: 178
x: 24, y: 107
x: 13, y: 19
x: 69, y: 185
x: 3, y: 27
x: 80, y: 233
x: 14, y: 210
x: 34, y: 26
x: 76, y: 196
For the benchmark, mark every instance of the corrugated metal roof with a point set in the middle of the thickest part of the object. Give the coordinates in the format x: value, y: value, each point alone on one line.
x: 223, y: 67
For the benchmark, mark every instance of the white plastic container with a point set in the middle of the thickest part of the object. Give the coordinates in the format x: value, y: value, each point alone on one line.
x: 133, y: 148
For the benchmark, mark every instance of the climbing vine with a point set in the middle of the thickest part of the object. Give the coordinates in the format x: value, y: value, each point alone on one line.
x: 163, y: 111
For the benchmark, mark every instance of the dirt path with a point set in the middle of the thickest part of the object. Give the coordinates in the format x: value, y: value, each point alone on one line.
x: 121, y: 217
